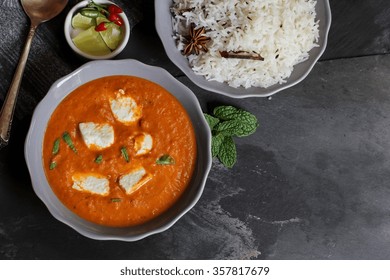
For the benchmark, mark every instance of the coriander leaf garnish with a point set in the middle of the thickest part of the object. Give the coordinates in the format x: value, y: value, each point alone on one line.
x: 56, y: 146
x: 116, y: 199
x: 165, y: 160
x: 99, y: 159
x: 53, y: 165
x: 125, y: 155
x: 68, y: 140
x: 227, y: 122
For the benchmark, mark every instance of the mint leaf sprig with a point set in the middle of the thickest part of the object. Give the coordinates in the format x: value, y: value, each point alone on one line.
x: 228, y: 122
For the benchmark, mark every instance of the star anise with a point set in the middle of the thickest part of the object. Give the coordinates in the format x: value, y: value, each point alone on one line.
x: 197, y: 41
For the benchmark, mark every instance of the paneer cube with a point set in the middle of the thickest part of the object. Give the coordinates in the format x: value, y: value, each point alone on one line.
x: 134, y: 180
x: 125, y: 109
x: 143, y: 144
x: 90, y: 182
x: 97, y: 136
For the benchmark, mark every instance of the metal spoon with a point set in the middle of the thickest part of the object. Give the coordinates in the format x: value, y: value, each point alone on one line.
x: 38, y: 11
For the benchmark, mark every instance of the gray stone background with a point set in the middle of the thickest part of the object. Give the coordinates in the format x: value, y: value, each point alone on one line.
x: 312, y: 183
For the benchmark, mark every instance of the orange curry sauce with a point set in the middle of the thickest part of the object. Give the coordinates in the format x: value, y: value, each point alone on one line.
x: 163, y: 117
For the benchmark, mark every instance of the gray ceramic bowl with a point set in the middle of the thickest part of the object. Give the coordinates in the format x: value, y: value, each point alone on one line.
x: 91, y: 71
x: 164, y: 30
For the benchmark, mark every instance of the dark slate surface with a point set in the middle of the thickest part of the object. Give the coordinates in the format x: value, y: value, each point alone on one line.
x: 311, y: 183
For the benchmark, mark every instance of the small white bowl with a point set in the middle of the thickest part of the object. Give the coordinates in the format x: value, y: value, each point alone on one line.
x: 68, y: 31
x: 91, y: 71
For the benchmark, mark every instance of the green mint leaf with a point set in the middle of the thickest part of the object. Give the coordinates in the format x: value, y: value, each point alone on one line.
x: 228, y: 128
x: 227, y: 113
x: 99, y: 159
x: 226, y: 122
x: 227, y: 152
x: 216, y: 142
x: 165, y: 160
x: 212, y: 121
x: 236, y: 128
x: 125, y: 155
x: 56, y: 146
x: 68, y: 140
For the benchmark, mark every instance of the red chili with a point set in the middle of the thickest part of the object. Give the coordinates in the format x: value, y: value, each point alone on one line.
x: 101, y: 27
x: 114, y: 9
x: 114, y: 17
x: 119, y: 21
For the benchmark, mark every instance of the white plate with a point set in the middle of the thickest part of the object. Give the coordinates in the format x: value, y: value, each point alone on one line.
x: 86, y: 73
x: 165, y: 31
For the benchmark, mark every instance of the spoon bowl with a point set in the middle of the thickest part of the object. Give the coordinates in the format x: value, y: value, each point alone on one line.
x: 38, y: 11
x: 43, y: 10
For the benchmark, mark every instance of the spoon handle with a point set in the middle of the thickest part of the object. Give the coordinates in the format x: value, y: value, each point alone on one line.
x: 8, y: 108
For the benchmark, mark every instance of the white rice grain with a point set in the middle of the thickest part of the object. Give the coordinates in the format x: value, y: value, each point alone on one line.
x: 281, y: 31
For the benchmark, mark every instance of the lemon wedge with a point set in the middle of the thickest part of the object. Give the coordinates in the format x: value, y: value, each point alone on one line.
x: 91, y: 42
x: 113, y: 35
x: 82, y: 22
